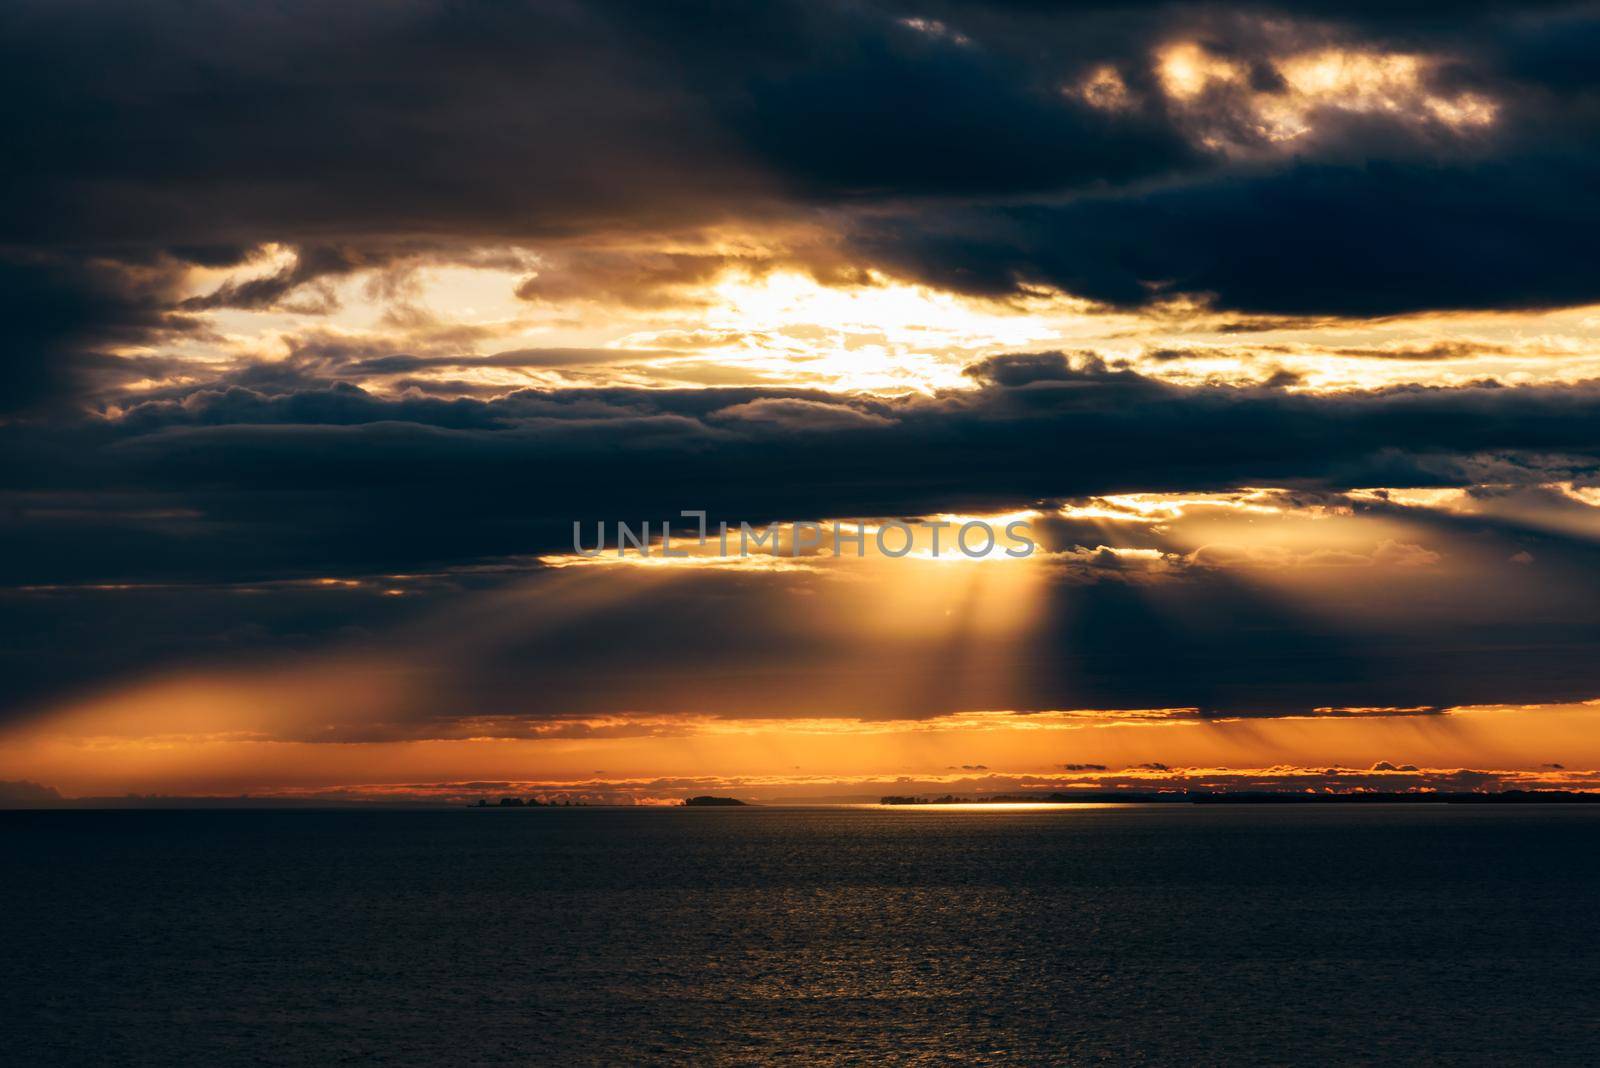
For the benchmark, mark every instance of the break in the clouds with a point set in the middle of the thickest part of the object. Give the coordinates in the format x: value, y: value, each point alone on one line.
x: 1350, y: 159
x: 320, y: 327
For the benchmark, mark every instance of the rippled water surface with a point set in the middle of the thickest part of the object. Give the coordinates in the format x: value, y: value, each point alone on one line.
x: 1137, y: 935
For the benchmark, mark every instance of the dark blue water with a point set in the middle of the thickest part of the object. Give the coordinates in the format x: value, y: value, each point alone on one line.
x: 1141, y: 935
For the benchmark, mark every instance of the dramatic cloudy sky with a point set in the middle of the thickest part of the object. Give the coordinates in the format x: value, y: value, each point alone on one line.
x: 323, y: 324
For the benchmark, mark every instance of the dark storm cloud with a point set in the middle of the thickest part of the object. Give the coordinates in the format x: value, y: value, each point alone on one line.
x: 309, y: 477
x: 1373, y: 239
x: 867, y: 107
x: 181, y: 124
x: 59, y: 312
x: 223, y: 125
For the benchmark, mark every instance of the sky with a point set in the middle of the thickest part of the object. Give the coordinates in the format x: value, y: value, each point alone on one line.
x: 326, y: 327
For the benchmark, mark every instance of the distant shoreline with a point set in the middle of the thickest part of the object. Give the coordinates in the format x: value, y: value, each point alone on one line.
x: 1196, y: 797
x: 251, y: 804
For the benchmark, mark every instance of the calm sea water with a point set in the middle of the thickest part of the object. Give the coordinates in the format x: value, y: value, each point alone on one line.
x: 1138, y: 935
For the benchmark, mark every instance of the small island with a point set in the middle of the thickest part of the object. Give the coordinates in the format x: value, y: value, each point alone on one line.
x: 532, y: 802
x: 711, y: 802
